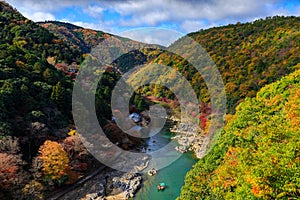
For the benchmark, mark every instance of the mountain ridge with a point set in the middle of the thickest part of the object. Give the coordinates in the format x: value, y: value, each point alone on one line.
x: 79, y: 37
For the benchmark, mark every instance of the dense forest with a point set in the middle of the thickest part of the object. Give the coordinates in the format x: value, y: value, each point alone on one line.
x: 39, y: 147
x: 35, y: 104
x: 248, y: 56
x: 255, y: 157
x: 77, y: 37
x: 257, y: 152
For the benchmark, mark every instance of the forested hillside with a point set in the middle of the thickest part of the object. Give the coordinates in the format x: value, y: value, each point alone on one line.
x: 35, y: 109
x: 248, y: 56
x: 34, y: 105
x: 85, y: 40
x: 77, y: 37
x: 31, y: 88
x: 257, y: 155
x: 39, y: 146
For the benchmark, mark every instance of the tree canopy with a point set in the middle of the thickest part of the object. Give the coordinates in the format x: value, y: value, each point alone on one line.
x: 257, y: 154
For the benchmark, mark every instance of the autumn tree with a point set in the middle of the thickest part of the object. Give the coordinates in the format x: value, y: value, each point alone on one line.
x: 12, y: 174
x: 74, y: 147
x: 9, y: 167
x: 257, y: 156
x: 55, y: 161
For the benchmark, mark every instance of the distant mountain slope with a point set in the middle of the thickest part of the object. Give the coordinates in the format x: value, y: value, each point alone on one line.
x: 78, y: 37
x: 248, y: 55
x: 25, y: 34
x: 257, y: 155
x: 85, y: 39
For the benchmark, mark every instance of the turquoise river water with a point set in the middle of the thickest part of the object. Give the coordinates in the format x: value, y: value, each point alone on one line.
x: 173, y: 175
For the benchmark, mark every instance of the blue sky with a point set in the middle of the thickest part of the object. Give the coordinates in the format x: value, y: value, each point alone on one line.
x: 116, y: 16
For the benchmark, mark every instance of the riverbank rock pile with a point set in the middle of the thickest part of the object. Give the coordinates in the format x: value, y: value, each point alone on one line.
x: 188, y: 139
x: 126, y: 184
x: 200, y: 146
x: 109, y: 185
x: 185, y: 136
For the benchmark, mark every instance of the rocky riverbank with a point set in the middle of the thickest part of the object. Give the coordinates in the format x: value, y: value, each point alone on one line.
x: 109, y: 185
x: 123, y: 186
x: 189, y: 139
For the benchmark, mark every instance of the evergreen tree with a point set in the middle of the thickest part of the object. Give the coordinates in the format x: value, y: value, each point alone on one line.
x: 58, y: 95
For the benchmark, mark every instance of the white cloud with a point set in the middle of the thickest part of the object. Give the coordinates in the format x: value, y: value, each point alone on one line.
x: 156, y: 11
x: 192, y: 25
x: 94, y: 11
x: 151, y: 19
x: 46, y: 5
x: 152, y: 35
x: 39, y: 16
x: 281, y: 11
x: 105, y: 27
x: 186, y: 15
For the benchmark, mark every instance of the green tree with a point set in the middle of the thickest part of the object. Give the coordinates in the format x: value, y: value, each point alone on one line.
x: 257, y: 155
x: 49, y: 76
x: 58, y: 95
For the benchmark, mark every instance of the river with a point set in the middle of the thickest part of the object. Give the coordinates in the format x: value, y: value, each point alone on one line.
x: 173, y: 175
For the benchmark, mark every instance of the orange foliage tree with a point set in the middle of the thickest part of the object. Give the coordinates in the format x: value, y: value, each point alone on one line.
x: 55, y: 160
x: 9, y: 167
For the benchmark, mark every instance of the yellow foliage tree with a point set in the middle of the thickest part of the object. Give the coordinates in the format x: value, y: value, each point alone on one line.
x: 73, y: 132
x: 55, y: 160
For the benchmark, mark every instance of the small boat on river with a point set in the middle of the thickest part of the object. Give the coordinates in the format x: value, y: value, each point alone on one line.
x: 161, y: 186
